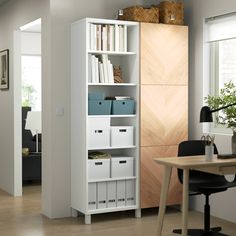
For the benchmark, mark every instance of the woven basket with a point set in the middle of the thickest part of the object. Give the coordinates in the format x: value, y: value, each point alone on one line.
x: 171, y: 12
x: 137, y: 13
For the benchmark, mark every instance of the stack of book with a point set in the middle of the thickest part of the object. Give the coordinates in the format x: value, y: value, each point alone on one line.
x: 100, y: 69
x: 108, y: 37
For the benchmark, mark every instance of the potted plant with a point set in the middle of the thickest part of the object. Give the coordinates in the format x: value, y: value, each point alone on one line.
x: 227, y: 116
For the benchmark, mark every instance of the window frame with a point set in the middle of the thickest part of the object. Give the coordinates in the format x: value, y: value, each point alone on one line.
x: 214, y: 79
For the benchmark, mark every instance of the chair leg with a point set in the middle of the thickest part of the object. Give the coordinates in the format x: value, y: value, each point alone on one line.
x: 207, y: 214
x: 216, y: 229
x: 207, y: 230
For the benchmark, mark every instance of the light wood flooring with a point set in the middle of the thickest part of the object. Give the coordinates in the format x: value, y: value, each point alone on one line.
x: 21, y: 216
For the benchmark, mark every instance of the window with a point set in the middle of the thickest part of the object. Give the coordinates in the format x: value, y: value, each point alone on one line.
x: 221, y: 41
x: 31, y: 82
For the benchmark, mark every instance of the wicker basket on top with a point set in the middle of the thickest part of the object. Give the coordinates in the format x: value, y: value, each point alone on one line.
x: 171, y: 12
x: 141, y: 14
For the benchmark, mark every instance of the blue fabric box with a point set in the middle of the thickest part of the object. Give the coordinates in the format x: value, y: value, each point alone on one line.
x: 96, y: 96
x: 99, y: 107
x: 122, y: 107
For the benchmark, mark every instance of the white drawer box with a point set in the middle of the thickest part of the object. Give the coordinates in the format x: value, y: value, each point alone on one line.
x: 111, y: 194
x: 98, y: 132
x: 130, y: 192
x: 120, y: 193
x: 92, y: 196
x: 98, y: 169
x: 122, y: 167
x: 101, y: 195
x: 122, y: 136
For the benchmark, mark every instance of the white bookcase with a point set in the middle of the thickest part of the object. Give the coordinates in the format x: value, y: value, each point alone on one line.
x: 82, y: 187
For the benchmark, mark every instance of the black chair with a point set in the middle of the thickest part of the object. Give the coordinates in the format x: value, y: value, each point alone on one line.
x: 202, y: 183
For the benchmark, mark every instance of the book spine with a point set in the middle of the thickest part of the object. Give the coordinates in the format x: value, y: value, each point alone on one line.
x: 108, y: 37
x: 96, y: 70
x: 101, y: 70
x: 117, y: 38
x: 99, y: 37
x: 112, y: 46
x: 111, y: 74
x: 121, y: 38
x: 93, y: 80
x: 104, y: 62
x: 125, y: 39
x: 89, y: 68
x: 104, y: 37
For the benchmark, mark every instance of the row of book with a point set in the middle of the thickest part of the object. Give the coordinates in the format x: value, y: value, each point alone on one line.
x: 100, y: 69
x: 108, y: 37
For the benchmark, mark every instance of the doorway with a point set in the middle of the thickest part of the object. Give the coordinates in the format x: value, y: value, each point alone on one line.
x: 31, y: 104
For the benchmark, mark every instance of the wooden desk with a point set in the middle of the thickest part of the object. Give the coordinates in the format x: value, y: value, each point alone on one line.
x: 216, y: 166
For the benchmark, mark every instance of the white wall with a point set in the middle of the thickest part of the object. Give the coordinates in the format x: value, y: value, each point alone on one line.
x: 222, y: 204
x: 63, y: 13
x: 13, y: 14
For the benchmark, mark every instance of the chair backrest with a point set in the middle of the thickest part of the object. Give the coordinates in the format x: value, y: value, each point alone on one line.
x: 193, y: 148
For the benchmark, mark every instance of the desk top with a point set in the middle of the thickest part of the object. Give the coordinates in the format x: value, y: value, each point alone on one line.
x: 194, y: 162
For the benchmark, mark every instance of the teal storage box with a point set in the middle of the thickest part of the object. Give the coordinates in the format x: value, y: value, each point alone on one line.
x: 99, y: 107
x: 122, y: 107
x: 96, y: 96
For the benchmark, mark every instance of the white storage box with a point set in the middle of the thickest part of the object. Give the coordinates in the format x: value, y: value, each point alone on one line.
x: 98, y: 132
x: 92, y: 196
x: 130, y: 192
x: 120, y: 193
x: 101, y: 195
x: 122, y: 167
x: 122, y: 136
x: 98, y: 169
x: 111, y: 194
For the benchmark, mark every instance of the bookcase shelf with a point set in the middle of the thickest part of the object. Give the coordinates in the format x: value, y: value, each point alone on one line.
x: 111, y: 179
x: 113, y: 116
x: 114, y: 53
x: 82, y: 66
x: 112, y: 84
x: 110, y: 148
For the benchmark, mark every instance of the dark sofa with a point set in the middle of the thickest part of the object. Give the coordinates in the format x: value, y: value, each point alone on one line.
x: 31, y: 164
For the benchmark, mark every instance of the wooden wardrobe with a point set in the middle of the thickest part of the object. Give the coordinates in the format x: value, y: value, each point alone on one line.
x: 164, y: 105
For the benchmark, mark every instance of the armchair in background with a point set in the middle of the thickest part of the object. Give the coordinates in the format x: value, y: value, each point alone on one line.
x: 31, y: 163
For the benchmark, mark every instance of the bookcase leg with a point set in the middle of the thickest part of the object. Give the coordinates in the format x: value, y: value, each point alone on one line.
x: 74, y: 213
x: 138, y: 213
x: 87, y: 219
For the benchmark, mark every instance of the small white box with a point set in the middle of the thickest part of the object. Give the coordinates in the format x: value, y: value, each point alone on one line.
x: 130, y: 192
x: 98, y: 169
x: 120, y: 193
x: 122, y: 136
x: 111, y: 194
x: 101, y: 195
x: 98, y: 132
x: 122, y: 167
x: 92, y: 196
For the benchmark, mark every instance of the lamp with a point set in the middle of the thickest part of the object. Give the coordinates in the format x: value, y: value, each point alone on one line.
x: 206, y: 112
x: 33, y: 123
x: 206, y: 116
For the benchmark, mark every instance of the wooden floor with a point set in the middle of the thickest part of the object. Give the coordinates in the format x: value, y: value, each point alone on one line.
x: 22, y: 217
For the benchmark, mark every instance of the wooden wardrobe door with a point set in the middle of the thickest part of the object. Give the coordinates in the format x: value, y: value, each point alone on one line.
x: 152, y: 175
x: 164, y: 115
x: 164, y: 54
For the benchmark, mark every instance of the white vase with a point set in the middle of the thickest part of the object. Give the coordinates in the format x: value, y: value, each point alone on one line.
x: 233, y: 143
x: 209, y: 152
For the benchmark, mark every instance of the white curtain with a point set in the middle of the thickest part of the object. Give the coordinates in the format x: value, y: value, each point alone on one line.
x: 221, y: 28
